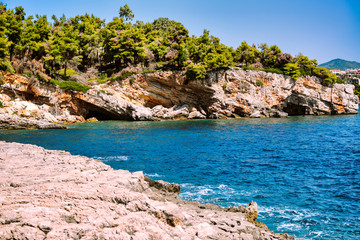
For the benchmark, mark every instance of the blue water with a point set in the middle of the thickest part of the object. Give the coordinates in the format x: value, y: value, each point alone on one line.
x: 304, y: 172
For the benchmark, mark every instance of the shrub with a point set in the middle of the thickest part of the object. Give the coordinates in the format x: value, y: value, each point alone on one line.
x: 102, y: 79
x: 327, y: 77
x: 259, y: 83
x: 250, y: 68
x: 27, y: 74
x: 123, y: 76
x: 70, y: 85
x: 2, y: 79
x: 40, y: 78
x: 293, y: 70
x: 149, y: 71
x: 5, y: 65
x: 69, y: 72
x: 1, y: 105
x: 357, y: 90
x: 196, y: 71
x: 131, y: 81
x: 273, y: 70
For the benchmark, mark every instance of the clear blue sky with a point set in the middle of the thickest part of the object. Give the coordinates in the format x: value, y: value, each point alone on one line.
x: 321, y: 29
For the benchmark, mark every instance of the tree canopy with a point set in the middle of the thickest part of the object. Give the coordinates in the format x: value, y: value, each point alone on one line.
x: 86, y: 41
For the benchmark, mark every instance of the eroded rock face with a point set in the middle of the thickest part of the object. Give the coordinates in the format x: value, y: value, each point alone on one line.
x: 169, y: 95
x: 13, y: 122
x: 54, y: 195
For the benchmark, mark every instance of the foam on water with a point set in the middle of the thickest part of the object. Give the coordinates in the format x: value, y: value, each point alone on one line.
x: 217, y: 194
x: 155, y: 175
x: 112, y: 158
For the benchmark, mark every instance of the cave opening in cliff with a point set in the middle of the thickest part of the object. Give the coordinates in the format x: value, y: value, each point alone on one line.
x: 295, y: 109
x: 101, y: 114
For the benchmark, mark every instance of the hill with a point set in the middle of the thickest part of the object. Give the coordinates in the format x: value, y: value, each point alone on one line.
x: 340, y: 64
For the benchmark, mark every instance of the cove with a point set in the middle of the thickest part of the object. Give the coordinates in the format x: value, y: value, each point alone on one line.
x: 304, y: 172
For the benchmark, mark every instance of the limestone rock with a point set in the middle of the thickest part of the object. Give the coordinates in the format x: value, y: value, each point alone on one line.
x: 54, y: 195
x: 13, y: 122
x: 169, y: 95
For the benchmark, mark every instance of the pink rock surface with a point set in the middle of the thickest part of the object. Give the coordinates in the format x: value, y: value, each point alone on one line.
x: 53, y: 195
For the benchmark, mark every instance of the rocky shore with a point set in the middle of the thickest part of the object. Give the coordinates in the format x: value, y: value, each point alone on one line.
x: 54, y: 195
x: 171, y: 96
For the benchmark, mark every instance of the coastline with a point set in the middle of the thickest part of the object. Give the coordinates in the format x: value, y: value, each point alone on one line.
x: 168, y: 96
x: 56, y: 195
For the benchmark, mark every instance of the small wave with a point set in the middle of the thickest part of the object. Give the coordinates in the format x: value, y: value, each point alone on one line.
x: 216, y: 194
x: 154, y: 175
x: 300, y: 217
x: 289, y: 227
x: 316, y: 234
x: 113, y: 158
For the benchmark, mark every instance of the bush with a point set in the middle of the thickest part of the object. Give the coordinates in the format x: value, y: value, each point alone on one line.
x: 357, y: 90
x: 259, y: 83
x: 149, y: 71
x: 123, y: 76
x: 327, y: 77
x: 273, y: 70
x: 69, y: 72
x: 5, y: 65
x: 196, y: 71
x: 293, y: 70
x: 1, y: 105
x: 250, y: 68
x: 40, y: 78
x: 102, y: 79
x: 131, y: 81
x: 2, y: 79
x: 70, y: 85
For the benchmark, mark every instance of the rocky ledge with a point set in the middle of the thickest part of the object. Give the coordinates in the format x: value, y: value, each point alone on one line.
x: 54, y: 195
x: 14, y: 122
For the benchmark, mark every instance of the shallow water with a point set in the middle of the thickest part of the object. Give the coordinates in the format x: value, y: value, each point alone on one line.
x: 304, y: 172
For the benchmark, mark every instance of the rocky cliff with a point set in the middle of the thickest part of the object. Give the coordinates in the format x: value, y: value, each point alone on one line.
x: 170, y: 95
x: 54, y: 195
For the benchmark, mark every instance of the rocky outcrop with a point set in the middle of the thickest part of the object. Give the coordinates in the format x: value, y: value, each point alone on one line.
x: 54, y: 195
x: 13, y: 122
x: 169, y: 95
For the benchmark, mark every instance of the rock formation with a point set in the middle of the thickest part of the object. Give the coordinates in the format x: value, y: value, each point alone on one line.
x: 54, y: 195
x: 169, y: 95
x: 13, y: 122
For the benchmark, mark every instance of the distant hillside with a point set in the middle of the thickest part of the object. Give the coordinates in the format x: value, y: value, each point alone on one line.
x: 340, y: 64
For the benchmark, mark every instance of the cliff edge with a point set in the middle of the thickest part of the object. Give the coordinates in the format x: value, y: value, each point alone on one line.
x: 54, y: 195
x: 170, y: 95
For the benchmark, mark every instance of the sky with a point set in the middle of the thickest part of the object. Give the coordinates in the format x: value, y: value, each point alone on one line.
x: 321, y: 29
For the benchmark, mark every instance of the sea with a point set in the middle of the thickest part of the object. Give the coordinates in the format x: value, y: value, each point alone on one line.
x: 303, y: 171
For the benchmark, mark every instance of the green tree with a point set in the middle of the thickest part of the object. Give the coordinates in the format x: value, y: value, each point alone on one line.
x: 12, y: 22
x: 64, y: 46
x: 163, y: 24
x: 307, y: 66
x: 293, y: 70
x: 196, y: 71
x: 126, y: 13
x: 246, y: 54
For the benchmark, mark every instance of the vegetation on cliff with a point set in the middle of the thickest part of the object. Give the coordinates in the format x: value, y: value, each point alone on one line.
x: 33, y: 44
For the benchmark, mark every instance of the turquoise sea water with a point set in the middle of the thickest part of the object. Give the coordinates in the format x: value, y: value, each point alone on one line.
x: 304, y: 172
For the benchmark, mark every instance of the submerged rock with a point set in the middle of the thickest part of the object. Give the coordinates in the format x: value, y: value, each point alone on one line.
x: 54, y: 195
